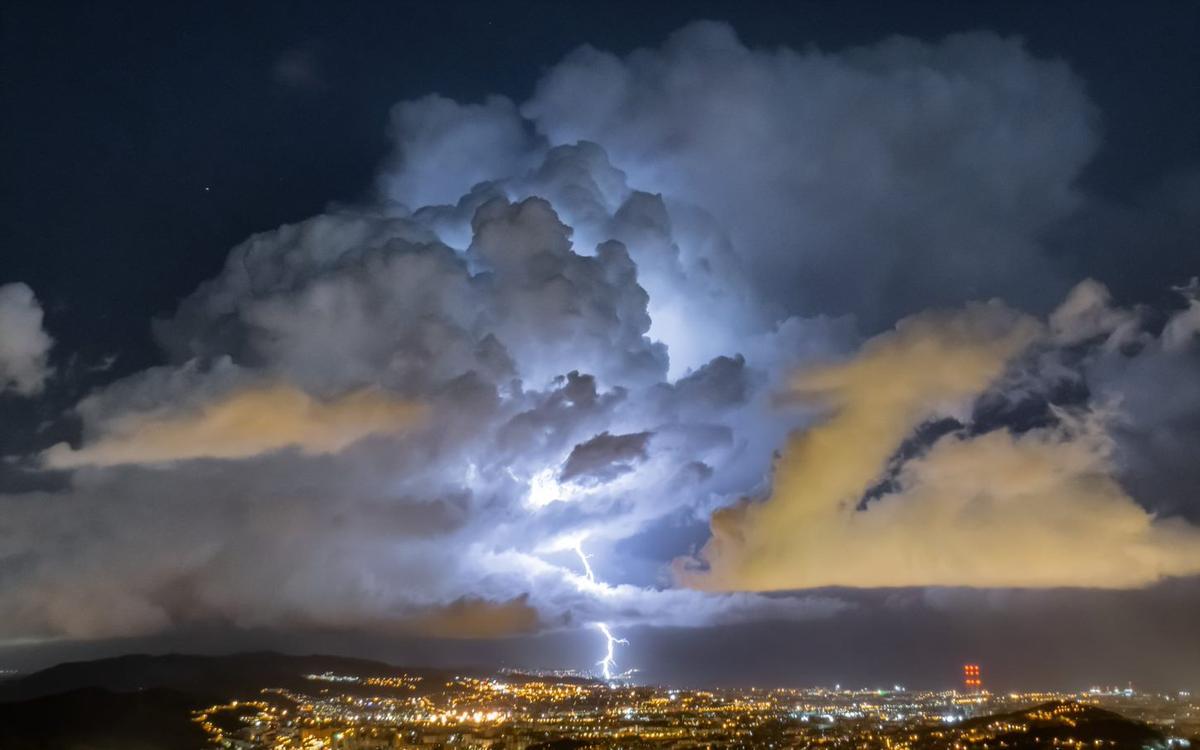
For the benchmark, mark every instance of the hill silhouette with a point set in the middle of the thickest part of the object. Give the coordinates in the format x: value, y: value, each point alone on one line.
x: 1059, y: 724
x: 144, y: 702
x: 232, y: 676
x: 99, y: 719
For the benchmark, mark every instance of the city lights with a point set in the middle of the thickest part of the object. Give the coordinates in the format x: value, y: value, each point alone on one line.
x: 520, y: 710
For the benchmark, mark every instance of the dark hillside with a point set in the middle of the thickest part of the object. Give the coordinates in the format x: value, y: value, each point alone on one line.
x: 97, y: 719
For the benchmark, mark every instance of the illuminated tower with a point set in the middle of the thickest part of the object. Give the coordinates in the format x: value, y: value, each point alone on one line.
x: 971, y: 679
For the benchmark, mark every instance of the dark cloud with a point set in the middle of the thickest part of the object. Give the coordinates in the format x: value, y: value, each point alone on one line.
x: 605, y: 457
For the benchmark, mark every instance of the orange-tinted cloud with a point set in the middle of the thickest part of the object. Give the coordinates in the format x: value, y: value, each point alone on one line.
x: 240, y: 425
x: 1037, y: 510
x: 471, y: 617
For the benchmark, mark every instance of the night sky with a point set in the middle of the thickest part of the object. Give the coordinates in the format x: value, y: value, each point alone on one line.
x: 797, y: 343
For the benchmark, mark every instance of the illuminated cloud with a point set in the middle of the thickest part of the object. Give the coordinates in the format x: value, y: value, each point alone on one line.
x: 566, y: 326
x: 1183, y: 329
x: 1039, y: 509
x: 241, y: 424
x: 24, y: 345
x: 1088, y: 313
x: 877, y: 180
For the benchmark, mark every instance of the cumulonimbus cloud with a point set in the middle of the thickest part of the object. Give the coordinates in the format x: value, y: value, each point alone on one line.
x: 1038, y: 509
x: 877, y: 180
x: 595, y: 298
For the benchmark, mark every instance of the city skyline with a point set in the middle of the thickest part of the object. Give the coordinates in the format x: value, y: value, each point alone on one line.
x: 698, y: 344
x: 314, y: 703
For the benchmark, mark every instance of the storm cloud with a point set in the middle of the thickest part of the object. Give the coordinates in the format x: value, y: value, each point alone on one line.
x: 1042, y: 508
x: 698, y: 286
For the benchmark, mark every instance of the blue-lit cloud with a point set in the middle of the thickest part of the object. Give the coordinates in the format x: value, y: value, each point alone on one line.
x: 576, y: 324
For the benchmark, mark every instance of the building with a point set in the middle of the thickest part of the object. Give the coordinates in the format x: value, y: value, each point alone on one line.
x: 972, y: 681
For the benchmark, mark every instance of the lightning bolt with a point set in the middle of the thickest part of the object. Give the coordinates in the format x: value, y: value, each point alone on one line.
x: 609, y: 662
x: 583, y: 558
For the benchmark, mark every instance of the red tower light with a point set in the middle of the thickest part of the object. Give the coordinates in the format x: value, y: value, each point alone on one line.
x: 971, y: 678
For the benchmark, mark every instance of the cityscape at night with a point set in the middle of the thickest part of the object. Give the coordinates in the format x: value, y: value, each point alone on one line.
x: 271, y: 703
x: 520, y: 712
x: 568, y: 374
